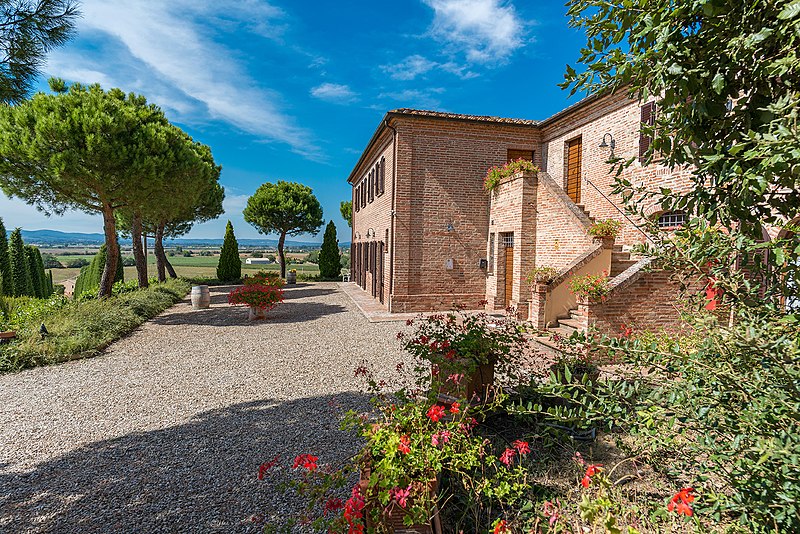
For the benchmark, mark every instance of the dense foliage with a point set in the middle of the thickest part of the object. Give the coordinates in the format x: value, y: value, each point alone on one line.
x: 261, y: 296
x: 28, y: 30
x: 346, y: 209
x: 89, y: 278
x: 230, y: 264
x: 80, y: 327
x: 329, y: 257
x: 496, y: 174
x: 285, y: 208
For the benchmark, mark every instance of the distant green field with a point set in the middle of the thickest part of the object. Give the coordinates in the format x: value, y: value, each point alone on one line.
x: 191, y: 267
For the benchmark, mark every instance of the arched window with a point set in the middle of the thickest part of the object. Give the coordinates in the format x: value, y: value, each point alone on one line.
x: 671, y: 219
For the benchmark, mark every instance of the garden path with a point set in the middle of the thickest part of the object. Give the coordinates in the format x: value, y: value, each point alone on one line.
x: 165, y: 431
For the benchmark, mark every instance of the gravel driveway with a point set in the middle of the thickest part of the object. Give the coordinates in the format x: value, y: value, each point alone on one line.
x: 165, y: 431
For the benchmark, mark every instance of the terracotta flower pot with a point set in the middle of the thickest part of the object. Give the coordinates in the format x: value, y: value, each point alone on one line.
x: 391, y: 518
x: 257, y: 314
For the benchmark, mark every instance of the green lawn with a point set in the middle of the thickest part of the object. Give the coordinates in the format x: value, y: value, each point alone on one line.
x: 191, y: 267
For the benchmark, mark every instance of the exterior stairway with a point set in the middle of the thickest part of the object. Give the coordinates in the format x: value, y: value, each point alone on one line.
x: 565, y: 326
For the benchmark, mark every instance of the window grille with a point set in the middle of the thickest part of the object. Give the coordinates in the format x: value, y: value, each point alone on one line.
x: 671, y: 219
x: 508, y: 240
x: 490, y: 266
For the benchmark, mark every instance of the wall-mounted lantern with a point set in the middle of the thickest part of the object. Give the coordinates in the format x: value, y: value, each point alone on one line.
x: 610, y: 144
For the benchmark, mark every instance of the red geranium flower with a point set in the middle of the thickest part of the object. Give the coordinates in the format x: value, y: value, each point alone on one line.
x: 266, y: 466
x: 332, y: 505
x: 522, y: 447
x: 502, y: 528
x: 436, y: 412
x: 508, y: 456
x: 307, y: 461
x: 681, y: 502
x: 454, y: 408
x: 713, y: 295
x: 626, y: 330
x: 404, y: 445
x: 591, y: 471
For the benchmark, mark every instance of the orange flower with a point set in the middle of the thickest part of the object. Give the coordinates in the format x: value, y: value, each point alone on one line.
x: 591, y: 471
x: 681, y: 502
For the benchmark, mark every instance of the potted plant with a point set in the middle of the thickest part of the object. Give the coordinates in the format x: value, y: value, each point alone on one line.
x: 472, y: 346
x: 291, y: 276
x: 258, y: 297
x: 605, y: 230
x: 590, y: 287
x: 542, y: 275
x: 496, y: 174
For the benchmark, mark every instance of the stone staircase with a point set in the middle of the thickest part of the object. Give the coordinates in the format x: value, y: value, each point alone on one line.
x: 565, y: 326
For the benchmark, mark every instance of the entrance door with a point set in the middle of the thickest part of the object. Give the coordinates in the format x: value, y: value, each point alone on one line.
x: 508, y: 248
x: 380, y: 271
x: 373, y: 268
x: 574, y: 148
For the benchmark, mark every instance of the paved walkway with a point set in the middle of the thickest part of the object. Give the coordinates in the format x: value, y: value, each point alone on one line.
x: 165, y: 431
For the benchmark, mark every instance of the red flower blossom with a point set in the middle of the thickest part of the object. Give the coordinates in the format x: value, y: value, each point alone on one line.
x: 522, y: 447
x: 591, y: 471
x: 626, y: 330
x: 306, y: 461
x: 551, y: 510
x: 501, y: 527
x: 455, y: 378
x: 713, y: 295
x: 361, y: 370
x: 440, y: 437
x: 405, y: 444
x: 353, y: 512
x: 450, y: 354
x: 409, y: 322
x: 681, y: 502
x: 435, y: 413
x: 332, y: 504
x: 508, y: 456
x: 454, y: 408
x: 266, y: 466
x: 401, y: 495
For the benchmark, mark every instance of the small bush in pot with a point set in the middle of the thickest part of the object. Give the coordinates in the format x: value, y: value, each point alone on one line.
x: 257, y: 296
x: 542, y: 275
x: 605, y: 228
x: 591, y: 287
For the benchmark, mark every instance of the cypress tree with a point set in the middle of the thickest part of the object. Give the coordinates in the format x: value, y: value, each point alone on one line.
x: 230, y: 264
x: 6, y: 281
x: 89, y: 278
x: 33, y: 268
x: 42, y: 274
x: 329, y: 266
x: 23, y: 285
x: 50, y: 285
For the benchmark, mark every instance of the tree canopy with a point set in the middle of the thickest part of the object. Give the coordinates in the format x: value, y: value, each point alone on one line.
x: 346, y: 209
x: 284, y: 208
x: 28, y: 30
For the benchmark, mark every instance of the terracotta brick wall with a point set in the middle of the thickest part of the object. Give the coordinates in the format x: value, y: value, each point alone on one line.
x: 376, y: 215
x: 619, y: 116
x: 441, y: 166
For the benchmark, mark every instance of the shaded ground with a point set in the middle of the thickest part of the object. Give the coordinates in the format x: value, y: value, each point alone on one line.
x: 165, y: 432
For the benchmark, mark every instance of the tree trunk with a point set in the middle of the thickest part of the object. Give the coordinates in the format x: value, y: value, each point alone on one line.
x: 161, y: 258
x: 112, y: 252
x: 281, y: 257
x: 138, y: 250
x: 170, y: 269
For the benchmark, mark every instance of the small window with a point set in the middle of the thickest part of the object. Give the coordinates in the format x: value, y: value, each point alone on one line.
x: 514, y: 155
x: 357, y: 197
x: 363, y: 194
x: 671, y: 219
x: 386, y: 240
x: 370, y: 190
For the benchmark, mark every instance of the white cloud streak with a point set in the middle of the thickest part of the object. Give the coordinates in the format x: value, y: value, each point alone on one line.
x: 485, y: 31
x: 334, y: 92
x: 170, y: 48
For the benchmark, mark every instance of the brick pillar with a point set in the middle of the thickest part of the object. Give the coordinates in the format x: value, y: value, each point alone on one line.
x: 536, y: 308
x: 584, y: 314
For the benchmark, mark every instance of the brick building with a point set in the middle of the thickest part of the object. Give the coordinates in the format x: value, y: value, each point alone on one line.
x: 426, y: 235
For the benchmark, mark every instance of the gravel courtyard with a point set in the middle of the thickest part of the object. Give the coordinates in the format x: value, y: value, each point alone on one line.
x: 165, y: 431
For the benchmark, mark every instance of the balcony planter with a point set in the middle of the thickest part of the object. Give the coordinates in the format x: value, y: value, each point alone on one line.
x: 392, y: 518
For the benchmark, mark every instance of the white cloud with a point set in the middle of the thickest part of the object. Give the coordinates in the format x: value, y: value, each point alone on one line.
x: 485, y: 31
x: 169, y: 46
x: 409, y: 68
x: 334, y: 92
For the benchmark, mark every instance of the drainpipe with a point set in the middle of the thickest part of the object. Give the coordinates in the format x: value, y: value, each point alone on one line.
x: 393, y: 214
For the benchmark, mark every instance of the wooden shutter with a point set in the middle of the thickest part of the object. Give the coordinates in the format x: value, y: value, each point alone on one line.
x: 574, y: 155
x: 648, y: 117
x: 356, y: 198
x: 382, y: 179
x: 514, y: 155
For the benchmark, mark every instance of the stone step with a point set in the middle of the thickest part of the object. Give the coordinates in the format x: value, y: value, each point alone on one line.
x: 620, y: 256
x: 617, y: 267
x: 573, y: 314
x: 570, y: 325
x: 617, y: 248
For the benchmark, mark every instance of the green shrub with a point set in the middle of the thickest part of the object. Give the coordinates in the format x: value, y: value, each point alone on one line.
x: 230, y: 264
x: 605, y: 228
x: 6, y: 280
x: 80, y: 327
x: 89, y: 278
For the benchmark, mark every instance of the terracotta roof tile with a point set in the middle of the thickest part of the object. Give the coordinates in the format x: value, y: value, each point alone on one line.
x: 458, y: 116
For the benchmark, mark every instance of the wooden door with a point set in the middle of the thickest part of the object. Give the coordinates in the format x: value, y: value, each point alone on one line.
x: 509, y: 275
x: 574, y: 148
x: 380, y: 271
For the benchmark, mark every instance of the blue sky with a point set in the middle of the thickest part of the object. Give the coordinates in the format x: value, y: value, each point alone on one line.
x: 293, y: 90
